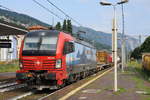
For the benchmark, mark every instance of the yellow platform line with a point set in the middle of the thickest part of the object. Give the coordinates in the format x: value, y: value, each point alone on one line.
x: 84, y: 85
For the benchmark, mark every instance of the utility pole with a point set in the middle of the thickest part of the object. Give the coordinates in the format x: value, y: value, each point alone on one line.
x: 123, y: 53
x: 113, y: 41
x: 115, y: 49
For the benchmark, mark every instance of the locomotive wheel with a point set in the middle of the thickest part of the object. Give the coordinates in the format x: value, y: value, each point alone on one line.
x: 83, y: 75
x: 77, y: 77
x: 64, y: 84
x: 70, y: 79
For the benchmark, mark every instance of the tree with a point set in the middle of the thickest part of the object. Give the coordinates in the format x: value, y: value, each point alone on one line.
x: 136, y: 54
x: 69, y: 26
x: 64, y: 28
x: 58, y: 26
x: 144, y: 48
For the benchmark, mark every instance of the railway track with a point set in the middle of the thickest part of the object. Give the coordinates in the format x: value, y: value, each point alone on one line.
x: 8, y: 86
x: 5, y: 81
x: 10, y: 90
x: 12, y: 87
x: 4, y: 84
x: 35, y: 95
x: 44, y: 94
x: 23, y: 95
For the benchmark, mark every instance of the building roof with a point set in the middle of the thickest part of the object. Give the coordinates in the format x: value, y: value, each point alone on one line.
x: 11, y: 29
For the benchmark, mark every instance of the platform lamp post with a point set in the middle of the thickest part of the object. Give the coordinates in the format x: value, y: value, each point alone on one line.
x: 114, y: 39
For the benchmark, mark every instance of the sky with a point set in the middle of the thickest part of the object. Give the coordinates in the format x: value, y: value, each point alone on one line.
x: 90, y: 13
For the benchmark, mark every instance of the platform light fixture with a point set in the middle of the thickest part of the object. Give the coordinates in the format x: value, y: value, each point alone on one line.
x: 114, y: 39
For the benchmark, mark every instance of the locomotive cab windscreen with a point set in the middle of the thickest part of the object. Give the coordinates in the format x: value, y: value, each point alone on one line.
x: 40, y: 43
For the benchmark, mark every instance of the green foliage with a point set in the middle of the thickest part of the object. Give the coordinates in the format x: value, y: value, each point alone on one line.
x: 134, y: 64
x: 58, y: 26
x: 120, y: 90
x: 140, y: 76
x: 9, y: 66
x: 64, y: 28
x: 100, y: 46
x: 69, y: 26
x: 140, y: 85
x: 136, y: 67
x: 145, y: 47
x: 136, y: 53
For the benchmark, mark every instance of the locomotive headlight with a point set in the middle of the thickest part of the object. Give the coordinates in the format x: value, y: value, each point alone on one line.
x: 20, y: 65
x: 58, y: 63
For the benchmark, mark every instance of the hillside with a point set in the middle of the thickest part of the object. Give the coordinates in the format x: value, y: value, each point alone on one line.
x: 24, y: 21
x: 101, y: 40
x: 19, y: 19
x: 106, y: 38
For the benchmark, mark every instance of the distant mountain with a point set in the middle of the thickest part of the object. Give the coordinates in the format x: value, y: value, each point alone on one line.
x: 105, y: 38
x: 19, y: 19
x: 101, y: 40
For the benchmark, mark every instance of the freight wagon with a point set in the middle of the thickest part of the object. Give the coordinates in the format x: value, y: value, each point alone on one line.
x: 103, y: 58
x: 146, y: 61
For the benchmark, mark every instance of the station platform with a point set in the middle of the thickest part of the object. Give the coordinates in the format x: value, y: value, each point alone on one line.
x: 130, y: 87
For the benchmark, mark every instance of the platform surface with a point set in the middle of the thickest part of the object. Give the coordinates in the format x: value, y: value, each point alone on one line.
x: 131, y: 87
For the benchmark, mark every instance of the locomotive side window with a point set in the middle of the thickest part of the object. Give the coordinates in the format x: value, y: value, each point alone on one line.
x: 69, y: 47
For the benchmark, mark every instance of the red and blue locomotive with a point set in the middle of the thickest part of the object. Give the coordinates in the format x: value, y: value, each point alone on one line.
x: 49, y: 59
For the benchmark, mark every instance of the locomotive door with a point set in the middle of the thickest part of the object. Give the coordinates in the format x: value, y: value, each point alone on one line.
x: 71, y: 62
x: 70, y: 57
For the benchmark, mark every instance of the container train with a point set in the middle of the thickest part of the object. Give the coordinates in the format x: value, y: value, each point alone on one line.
x: 104, y: 58
x: 50, y: 59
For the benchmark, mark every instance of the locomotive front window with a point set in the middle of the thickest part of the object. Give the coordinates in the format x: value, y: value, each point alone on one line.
x: 48, y: 43
x: 31, y: 43
x: 40, y: 43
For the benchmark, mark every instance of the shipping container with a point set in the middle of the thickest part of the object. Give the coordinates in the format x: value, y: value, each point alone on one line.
x: 146, y: 61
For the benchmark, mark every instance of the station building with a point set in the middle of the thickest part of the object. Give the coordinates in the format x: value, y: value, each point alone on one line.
x: 8, y: 54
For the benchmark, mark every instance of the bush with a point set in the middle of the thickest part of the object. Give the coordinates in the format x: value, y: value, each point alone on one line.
x: 10, y: 66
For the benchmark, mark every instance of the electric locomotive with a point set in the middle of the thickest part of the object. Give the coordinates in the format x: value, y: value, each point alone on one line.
x: 50, y: 59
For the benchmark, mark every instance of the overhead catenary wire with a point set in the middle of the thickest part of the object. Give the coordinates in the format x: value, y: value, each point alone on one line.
x: 38, y: 3
x: 47, y: 9
x: 64, y: 12
x: 1, y: 6
x: 42, y: 6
